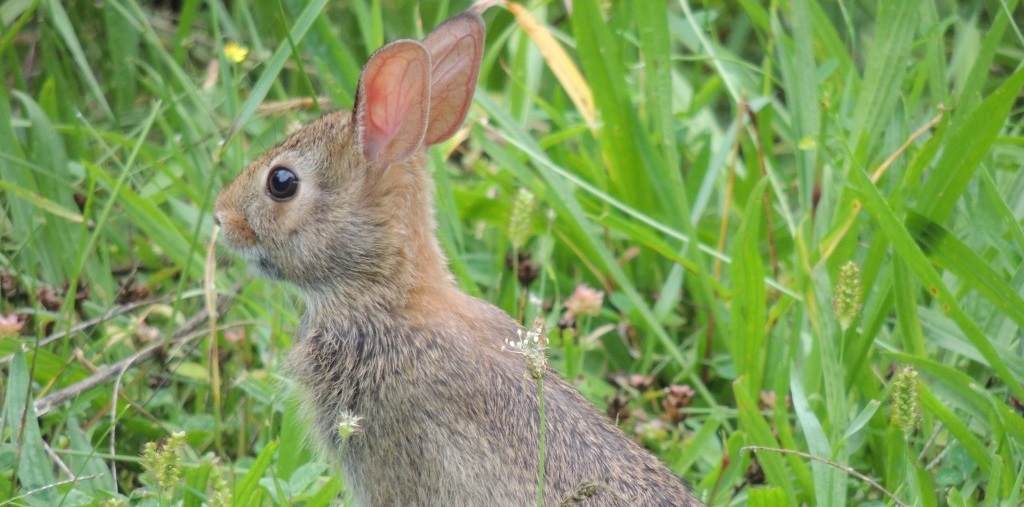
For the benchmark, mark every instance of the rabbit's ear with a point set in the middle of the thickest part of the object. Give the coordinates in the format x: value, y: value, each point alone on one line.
x: 456, y: 48
x: 392, y: 102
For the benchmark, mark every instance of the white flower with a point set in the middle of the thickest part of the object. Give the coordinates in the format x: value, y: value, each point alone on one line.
x: 533, y: 344
x: 348, y: 423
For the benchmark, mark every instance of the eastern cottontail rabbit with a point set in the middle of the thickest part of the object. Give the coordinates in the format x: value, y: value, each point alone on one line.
x: 343, y: 209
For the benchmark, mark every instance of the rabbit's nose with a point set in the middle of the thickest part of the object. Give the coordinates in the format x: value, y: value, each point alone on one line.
x: 216, y: 218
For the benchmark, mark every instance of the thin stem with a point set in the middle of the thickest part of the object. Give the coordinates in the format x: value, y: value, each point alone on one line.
x: 543, y: 442
x: 831, y: 463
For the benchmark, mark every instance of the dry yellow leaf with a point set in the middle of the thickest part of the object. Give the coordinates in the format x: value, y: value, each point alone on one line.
x: 558, y: 61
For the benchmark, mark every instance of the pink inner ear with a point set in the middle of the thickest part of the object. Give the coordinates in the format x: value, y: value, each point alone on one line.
x: 393, y: 102
x: 456, y: 48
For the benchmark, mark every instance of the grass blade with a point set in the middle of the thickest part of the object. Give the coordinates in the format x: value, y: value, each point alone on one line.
x: 276, y: 63
x: 246, y: 488
x: 34, y: 468
x: 967, y: 145
x: 558, y: 61
x: 748, y: 305
x: 905, y: 247
x: 62, y: 23
x: 950, y: 253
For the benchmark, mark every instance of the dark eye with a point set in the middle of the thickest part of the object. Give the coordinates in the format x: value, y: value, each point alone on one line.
x: 282, y: 183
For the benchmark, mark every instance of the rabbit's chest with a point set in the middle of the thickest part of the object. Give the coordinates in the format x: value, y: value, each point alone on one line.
x: 419, y: 445
x: 423, y: 408
x: 339, y: 368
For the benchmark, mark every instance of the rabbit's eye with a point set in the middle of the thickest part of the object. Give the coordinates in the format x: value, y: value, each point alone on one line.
x: 282, y: 183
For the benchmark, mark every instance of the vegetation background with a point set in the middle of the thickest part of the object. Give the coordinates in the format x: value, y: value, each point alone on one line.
x: 710, y: 167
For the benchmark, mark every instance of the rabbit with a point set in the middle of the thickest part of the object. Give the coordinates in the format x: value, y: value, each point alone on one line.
x: 343, y: 209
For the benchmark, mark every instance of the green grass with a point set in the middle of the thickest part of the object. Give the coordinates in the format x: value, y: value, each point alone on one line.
x: 739, y: 156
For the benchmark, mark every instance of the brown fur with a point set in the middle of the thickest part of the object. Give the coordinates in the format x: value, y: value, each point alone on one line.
x: 448, y: 417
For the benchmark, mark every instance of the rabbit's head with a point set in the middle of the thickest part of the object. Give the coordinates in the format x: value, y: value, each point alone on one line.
x: 345, y: 201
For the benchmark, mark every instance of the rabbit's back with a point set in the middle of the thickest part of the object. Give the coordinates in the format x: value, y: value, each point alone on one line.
x: 448, y: 418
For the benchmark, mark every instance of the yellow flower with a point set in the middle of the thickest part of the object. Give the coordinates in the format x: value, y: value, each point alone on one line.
x: 235, y: 52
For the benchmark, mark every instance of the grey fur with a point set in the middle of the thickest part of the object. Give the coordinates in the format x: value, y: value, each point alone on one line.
x: 448, y: 417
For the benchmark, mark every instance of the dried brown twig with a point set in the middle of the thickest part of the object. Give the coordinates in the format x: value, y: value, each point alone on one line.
x: 110, y: 314
x: 180, y: 336
x: 840, y: 466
